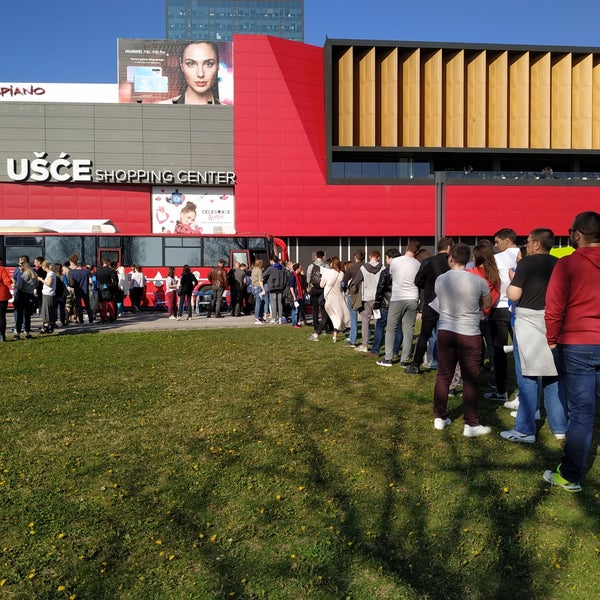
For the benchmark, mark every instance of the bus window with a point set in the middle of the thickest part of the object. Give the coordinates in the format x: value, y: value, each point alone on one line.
x: 112, y: 254
x: 240, y: 256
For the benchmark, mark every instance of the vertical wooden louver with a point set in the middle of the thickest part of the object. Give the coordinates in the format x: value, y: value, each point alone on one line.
x: 437, y: 97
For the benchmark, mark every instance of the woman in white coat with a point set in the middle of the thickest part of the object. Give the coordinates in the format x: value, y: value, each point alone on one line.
x: 335, y: 303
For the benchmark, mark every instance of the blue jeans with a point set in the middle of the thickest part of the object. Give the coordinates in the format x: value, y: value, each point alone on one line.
x: 298, y: 312
x: 259, y: 303
x: 580, y: 374
x: 353, y: 322
x: 380, y: 334
x: 529, y: 393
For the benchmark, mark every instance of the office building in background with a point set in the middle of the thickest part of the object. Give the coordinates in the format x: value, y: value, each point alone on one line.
x: 220, y: 19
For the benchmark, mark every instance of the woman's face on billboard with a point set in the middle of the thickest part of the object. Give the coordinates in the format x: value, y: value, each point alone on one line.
x: 200, y: 67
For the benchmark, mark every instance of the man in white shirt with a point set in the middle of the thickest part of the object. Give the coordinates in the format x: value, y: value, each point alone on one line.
x: 506, y: 260
x: 403, y: 304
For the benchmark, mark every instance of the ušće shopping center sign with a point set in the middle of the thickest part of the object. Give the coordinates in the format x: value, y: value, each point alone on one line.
x: 64, y: 170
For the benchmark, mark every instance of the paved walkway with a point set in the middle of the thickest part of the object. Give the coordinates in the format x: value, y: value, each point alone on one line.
x: 145, y: 321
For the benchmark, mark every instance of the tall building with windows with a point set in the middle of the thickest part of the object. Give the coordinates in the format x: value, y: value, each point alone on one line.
x: 220, y: 19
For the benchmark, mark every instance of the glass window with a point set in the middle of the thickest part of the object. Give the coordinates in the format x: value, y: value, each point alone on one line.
x: 59, y: 248
x: 143, y: 251
x: 216, y: 249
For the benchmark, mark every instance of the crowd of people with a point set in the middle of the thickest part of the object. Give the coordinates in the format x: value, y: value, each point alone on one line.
x: 474, y: 307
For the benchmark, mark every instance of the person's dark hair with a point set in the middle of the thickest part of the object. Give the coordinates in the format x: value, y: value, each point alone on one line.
x: 422, y: 255
x: 295, y: 266
x: 215, y: 89
x: 171, y: 272
x: 460, y: 253
x: 73, y: 258
x: 360, y: 255
x: 186, y: 267
x: 275, y: 258
x: 375, y: 254
x: 588, y: 224
x: 523, y: 251
x: 413, y: 246
x: 544, y: 236
x: 336, y: 264
x: 483, y: 256
x: 505, y: 234
x: 320, y: 254
x: 188, y: 207
x: 444, y: 243
x: 25, y: 258
x: 392, y: 253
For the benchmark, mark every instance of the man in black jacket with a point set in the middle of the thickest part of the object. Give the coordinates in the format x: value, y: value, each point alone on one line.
x: 430, y: 270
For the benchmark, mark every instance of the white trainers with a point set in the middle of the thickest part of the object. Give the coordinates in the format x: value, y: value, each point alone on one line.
x: 258, y: 322
x: 516, y: 436
x: 172, y: 317
x: 512, y: 404
x: 441, y: 423
x: 361, y: 349
x: 476, y: 430
x: 314, y: 337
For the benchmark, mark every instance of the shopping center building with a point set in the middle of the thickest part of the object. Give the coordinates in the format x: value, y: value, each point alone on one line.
x: 360, y: 144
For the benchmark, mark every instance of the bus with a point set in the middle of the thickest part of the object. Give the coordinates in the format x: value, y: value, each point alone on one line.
x: 153, y: 253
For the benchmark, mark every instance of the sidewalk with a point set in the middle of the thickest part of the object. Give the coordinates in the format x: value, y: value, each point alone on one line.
x: 144, y: 321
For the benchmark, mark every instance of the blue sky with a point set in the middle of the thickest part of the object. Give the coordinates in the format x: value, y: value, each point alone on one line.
x: 74, y: 41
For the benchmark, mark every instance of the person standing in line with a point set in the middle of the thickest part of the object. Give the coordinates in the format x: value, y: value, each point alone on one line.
x: 218, y: 281
x: 460, y: 298
x: 276, y: 278
x: 425, y: 280
x: 48, y: 312
x: 171, y: 284
x: 313, y: 281
x: 573, y: 331
x: 370, y: 273
x: 187, y: 283
x: 505, y: 241
x: 403, y: 306
x: 138, y: 284
x: 296, y: 284
x: 534, y: 363
x: 79, y: 281
x: 335, y: 303
x: 352, y: 283
x: 5, y: 295
x: 258, y: 291
x: 24, y: 303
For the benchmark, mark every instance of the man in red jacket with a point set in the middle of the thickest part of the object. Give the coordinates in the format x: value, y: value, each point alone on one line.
x: 573, y: 329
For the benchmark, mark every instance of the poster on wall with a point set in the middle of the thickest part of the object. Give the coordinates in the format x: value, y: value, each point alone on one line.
x: 174, y: 71
x: 193, y: 211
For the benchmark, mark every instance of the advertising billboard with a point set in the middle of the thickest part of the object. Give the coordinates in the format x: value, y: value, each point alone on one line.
x: 193, y: 210
x: 58, y: 92
x: 175, y: 71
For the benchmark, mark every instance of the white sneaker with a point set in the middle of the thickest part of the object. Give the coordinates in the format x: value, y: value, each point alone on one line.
x: 512, y: 404
x: 314, y: 337
x: 476, y: 430
x: 441, y: 423
x: 172, y: 317
x: 361, y: 349
x: 560, y: 436
x: 258, y: 322
x: 516, y: 436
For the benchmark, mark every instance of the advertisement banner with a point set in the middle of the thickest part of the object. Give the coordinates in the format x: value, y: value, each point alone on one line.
x: 193, y: 211
x: 175, y: 71
x: 59, y: 92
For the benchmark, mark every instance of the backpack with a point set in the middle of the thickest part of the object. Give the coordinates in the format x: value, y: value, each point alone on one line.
x: 315, y: 277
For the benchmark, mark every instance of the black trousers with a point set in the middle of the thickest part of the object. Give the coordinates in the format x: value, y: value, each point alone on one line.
x: 500, y: 329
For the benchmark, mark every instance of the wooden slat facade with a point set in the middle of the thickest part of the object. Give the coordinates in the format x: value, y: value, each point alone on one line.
x: 388, y: 96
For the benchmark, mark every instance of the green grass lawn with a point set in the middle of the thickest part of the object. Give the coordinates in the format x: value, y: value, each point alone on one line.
x: 253, y: 463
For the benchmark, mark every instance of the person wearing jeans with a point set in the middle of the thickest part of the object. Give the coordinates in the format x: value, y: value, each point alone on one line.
x: 533, y: 359
x: 573, y: 327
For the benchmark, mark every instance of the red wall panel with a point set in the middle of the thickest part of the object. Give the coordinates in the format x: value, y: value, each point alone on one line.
x: 128, y: 207
x: 483, y: 210
x: 279, y: 125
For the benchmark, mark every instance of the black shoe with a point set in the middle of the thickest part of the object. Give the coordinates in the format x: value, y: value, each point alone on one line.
x: 412, y: 369
x: 405, y: 364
